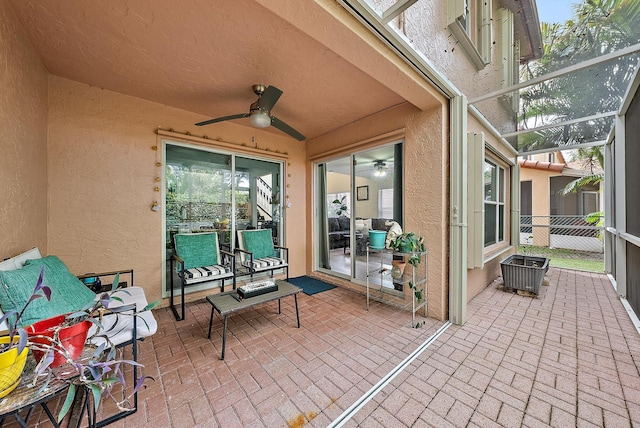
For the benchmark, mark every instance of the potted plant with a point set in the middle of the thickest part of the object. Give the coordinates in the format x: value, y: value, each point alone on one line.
x: 413, y: 245
x: 340, y: 206
x: 64, y: 336
x: 99, y: 372
x: 68, y: 334
x: 14, y: 346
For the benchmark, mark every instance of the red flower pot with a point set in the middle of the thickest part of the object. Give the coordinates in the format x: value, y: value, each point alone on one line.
x: 72, y: 338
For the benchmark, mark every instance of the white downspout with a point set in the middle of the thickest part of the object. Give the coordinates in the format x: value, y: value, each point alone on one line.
x: 458, y: 211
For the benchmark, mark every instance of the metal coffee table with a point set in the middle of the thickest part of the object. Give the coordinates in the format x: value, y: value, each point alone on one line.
x: 227, y: 303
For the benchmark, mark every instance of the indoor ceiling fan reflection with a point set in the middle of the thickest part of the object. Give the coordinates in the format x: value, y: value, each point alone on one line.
x: 379, y: 169
x: 260, y: 112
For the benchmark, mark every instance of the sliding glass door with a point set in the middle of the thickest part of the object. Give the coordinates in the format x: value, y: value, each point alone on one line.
x: 355, y: 194
x: 208, y: 191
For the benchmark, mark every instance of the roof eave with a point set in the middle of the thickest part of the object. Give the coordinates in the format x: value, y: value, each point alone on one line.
x: 527, y: 28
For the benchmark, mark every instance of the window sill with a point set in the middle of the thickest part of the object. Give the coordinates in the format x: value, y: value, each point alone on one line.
x: 495, y: 251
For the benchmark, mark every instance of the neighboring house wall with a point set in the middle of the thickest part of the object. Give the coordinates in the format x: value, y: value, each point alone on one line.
x: 23, y: 120
x: 548, y: 176
x: 540, y: 202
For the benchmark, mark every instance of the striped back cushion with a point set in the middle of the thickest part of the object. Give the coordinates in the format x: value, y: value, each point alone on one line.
x: 197, y: 249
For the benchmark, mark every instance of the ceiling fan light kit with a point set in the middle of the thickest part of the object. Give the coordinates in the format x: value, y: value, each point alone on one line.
x: 260, y: 112
x: 379, y: 169
x: 260, y: 120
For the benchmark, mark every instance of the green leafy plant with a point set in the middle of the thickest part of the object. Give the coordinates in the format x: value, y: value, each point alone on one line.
x: 409, y: 242
x: 340, y: 206
x: 412, y: 244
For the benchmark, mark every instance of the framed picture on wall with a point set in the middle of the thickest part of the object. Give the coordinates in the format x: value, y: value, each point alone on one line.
x: 362, y: 193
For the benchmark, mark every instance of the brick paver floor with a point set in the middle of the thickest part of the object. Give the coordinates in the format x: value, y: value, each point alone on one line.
x: 567, y: 358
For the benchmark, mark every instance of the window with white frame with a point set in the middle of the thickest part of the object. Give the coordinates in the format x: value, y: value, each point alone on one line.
x: 590, y: 202
x: 494, y: 206
x: 385, y: 203
x: 470, y: 22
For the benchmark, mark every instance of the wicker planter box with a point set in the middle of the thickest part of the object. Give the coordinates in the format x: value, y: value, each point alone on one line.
x: 524, y: 272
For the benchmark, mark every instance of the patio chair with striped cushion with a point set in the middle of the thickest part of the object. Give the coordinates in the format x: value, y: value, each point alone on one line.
x: 258, y: 254
x: 198, y: 259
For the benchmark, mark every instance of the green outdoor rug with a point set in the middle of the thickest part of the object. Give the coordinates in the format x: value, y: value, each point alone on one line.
x: 311, y: 285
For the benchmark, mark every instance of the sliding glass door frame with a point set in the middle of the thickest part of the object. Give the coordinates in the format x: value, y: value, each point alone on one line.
x: 365, y: 188
x: 277, y: 184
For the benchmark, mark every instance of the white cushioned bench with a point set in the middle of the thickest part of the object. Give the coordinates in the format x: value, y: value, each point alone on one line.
x: 117, y: 327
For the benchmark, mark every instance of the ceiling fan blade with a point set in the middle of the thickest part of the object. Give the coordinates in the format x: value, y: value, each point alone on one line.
x: 222, y: 119
x: 286, y: 128
x: 269, y: 98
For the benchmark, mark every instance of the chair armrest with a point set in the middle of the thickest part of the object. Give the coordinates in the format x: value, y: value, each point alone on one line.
x: 248, y: 253
x: 285, y: 250
x: 98, y: 286
x: 228, y: 253
x: 110, y: 273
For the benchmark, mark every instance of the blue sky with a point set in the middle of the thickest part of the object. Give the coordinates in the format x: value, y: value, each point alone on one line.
x: 555, y: 10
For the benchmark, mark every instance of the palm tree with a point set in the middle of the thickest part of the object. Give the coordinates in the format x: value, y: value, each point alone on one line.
x: 592, y: 159
x: 598, y: 27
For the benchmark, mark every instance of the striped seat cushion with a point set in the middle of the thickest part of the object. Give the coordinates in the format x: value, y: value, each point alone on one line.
x: 264, y: 263
x: 206, y: 272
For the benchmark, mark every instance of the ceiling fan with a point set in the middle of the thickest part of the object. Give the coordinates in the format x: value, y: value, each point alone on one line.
x: 260, y: 112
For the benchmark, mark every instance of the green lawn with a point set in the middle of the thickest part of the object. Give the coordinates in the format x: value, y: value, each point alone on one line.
x: 580, y: 260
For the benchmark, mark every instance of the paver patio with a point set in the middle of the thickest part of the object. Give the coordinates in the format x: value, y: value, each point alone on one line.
x: 568, y: 358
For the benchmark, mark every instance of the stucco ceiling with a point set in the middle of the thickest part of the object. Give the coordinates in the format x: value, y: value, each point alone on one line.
x: 202, y: 56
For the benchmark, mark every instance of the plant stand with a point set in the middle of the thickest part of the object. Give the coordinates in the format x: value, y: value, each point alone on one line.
x: 25, y: 398
x: 378, y: 272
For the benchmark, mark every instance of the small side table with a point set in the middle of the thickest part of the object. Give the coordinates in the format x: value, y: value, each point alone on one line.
x: 26, y: 397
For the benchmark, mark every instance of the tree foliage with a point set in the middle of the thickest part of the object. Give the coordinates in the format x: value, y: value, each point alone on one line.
x: 592, y: 160
x: 598, y: 27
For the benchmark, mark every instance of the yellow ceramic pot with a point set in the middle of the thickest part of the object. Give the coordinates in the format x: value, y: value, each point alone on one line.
x: 11, y: 366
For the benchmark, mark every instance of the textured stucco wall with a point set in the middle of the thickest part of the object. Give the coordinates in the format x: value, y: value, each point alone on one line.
x: 425, y: 25
x: 23, y: 120
x: 541, y: 200
x: 426, y: 169
x: 479, y: 279
x: 102, y: 170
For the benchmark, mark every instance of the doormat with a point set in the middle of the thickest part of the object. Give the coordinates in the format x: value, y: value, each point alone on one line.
x: 311, y: 285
